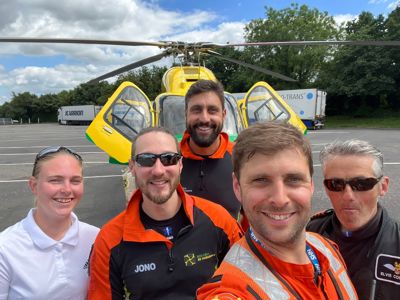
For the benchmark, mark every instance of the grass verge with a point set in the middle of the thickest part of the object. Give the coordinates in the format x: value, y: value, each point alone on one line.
x: 347, y: 121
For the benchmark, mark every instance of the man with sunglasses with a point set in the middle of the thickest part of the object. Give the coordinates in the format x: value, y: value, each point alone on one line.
x: 166, y: 243
x: 206, y: 150
x: 368, y: 238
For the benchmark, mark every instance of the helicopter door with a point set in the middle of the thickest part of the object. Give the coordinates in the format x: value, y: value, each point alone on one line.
x: 233, y: 122
x: 170, y: 113
x: 262, y: 103
x: 126, y: 112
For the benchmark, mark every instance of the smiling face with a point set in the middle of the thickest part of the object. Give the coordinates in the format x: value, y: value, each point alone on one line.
x: 205, y: 119
x: 158, y: 183
x: 275, y: 191
x: 58, y: 187
x: 354, y: 209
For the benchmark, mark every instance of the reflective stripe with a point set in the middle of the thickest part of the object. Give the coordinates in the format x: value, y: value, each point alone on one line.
x: 344, y: 278
x: 334, y: 262
x: 317, y: 243
x: 242, y: 259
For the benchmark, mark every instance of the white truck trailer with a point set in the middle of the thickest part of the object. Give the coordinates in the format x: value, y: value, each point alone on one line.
x: 77, y: 114
x: 309, y: 104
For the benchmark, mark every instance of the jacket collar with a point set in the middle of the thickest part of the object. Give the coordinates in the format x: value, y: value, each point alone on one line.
x: 133, y: 227
x: 187, y: 152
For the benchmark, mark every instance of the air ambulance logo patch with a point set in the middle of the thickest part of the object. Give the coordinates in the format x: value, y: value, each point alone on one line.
x: 387, y: 268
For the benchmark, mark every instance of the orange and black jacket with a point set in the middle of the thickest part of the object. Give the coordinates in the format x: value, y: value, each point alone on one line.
x: 210, y: 177
x: 128, y: 260
x: 250, y: 272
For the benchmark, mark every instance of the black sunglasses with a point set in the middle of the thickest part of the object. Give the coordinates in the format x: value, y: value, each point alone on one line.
x: 356, y: 184
x: 149, y: 159
x: 54, y: 149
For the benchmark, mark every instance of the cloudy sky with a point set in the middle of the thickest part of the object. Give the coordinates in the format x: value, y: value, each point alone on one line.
x: 52, y: 68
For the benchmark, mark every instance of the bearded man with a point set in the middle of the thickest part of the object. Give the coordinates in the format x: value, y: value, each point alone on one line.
x: 206, y: 150
x: 164, y: 233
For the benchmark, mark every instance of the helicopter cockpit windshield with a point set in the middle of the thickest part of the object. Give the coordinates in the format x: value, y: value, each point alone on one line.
x: 263, y: 106
x: 129, y: 113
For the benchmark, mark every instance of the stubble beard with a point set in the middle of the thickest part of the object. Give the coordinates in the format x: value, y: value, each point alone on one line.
x: 159, y: 198
x: 292, y: 237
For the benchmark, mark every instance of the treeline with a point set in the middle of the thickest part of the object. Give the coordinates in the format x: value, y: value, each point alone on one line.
x: 360, y: 80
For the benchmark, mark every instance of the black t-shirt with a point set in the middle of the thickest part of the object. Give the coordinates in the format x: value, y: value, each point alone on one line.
x: 170, y: 227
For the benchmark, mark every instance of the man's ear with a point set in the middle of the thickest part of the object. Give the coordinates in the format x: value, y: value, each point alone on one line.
x: 384, y: 186
x: 131, y: 165
x: 236, y: 187
x: 180, y: 164
x: 224, y: 113
x: 312, y: 186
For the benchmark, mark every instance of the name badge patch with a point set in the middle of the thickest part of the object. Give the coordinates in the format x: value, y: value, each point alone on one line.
x: 387, y: 268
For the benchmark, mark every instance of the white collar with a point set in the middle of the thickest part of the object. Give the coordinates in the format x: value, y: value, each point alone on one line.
x: 42, y: 240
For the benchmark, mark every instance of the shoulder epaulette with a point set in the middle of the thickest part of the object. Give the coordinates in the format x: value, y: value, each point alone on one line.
x: 322, y: 214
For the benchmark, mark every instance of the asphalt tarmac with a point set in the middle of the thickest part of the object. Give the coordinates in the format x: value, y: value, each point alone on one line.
x: 104, y: 195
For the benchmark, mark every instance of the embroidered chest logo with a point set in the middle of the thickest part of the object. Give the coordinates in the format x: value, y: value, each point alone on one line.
x: 387, y: 268
x: 191, y: 259
x: 397, y: 268
x: 145, y: 267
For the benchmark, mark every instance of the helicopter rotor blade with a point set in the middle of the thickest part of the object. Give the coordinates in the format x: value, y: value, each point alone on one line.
x: 308, y: 43
x: 80, y: 41
x: 250, y: 66
x: 132, y: 66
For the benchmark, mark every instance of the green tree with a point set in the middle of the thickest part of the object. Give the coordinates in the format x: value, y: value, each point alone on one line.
x: 45, y: 108
x: 392, y: 26
x: 5, y: 110
x: 87, y: 93
x: 146, y: 78
x: 233, y: 76
x: 359, y: 78
x: 302, y: 63
x: 22, y: 106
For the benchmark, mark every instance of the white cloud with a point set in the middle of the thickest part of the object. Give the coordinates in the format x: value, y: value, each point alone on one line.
x: 339, y: 19
x: 377, y: 1
x: 93, y: 19
x: 394, y: 5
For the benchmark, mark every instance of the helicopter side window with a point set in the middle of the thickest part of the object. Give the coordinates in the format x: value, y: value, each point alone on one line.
x: 172, y: 113
x: 129, y: 116
x: 231, y: 119
x: 262, y: 106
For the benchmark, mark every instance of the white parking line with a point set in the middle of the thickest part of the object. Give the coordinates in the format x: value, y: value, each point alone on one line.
x: 31, y: 163
x: 85, y: 177
x: 387, y: 163
x: 47, y: 139
x: 45, y: 146
x: 79, y: 152
x: 336, y: 132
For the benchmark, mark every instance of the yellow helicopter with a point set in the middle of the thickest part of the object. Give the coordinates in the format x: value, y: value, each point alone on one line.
x: 129, y: 110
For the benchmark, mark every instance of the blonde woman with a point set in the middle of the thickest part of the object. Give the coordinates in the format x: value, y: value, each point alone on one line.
x: 45, y: 255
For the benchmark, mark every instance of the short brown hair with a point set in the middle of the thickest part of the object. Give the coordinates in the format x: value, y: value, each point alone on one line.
x: 268, y: 138
x: 152, y: 129
x: 204, y: 86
